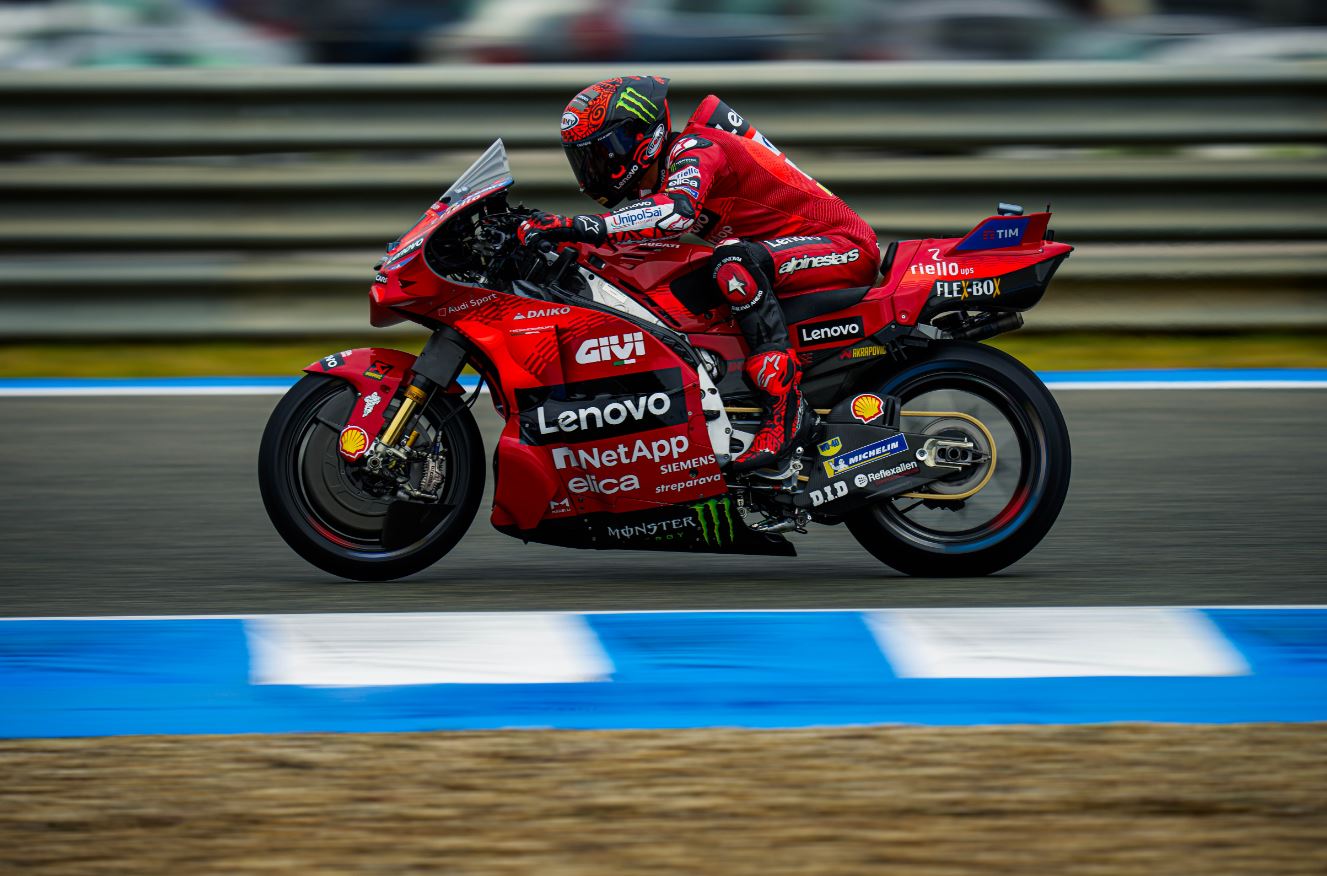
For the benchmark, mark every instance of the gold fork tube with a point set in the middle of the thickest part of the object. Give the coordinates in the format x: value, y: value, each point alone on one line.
x: 414, y: 397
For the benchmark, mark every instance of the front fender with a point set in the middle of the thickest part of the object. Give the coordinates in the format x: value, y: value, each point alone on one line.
x: 376, y: 373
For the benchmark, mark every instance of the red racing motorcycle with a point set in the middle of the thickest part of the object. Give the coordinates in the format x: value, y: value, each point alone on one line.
x: 618, y: 374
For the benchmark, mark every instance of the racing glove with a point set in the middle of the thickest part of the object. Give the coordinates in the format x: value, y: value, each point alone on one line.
x: 555, y: 229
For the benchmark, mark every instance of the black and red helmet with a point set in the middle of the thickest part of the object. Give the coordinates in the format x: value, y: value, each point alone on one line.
x: 613, y: 132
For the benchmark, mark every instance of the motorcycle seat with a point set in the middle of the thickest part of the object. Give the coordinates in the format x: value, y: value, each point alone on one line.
x: 800, y: 308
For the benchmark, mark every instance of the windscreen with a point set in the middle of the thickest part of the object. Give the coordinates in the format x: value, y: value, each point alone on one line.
x: 488, y: 168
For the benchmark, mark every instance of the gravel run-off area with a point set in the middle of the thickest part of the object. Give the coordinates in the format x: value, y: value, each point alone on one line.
x: 1120, y: 799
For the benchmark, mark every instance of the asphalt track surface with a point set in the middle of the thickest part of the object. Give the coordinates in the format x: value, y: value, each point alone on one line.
x: 149, y: 505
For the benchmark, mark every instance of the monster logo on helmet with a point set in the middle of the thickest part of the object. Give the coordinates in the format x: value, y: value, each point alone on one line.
x: 638, y: 105
x: 606, y: 144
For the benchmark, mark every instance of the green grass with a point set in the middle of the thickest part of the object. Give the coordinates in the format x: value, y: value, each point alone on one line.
x: 1040, y: 351
x: 1081, y: 350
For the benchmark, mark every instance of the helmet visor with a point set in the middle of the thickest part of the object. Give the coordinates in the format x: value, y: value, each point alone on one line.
x: 603, y: 165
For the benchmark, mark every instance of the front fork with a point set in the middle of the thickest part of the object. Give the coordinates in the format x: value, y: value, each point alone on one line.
x: 389, y: 459
x: 415, y: 395
x: 438, y: 364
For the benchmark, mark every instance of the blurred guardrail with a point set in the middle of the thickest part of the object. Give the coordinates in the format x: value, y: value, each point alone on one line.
x: 169, y: 202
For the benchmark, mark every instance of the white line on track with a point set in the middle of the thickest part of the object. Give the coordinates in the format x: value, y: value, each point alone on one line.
x: 1187, y: 385
x: 263, y: 389
x: 1010, y: 608
x: 132, y: 391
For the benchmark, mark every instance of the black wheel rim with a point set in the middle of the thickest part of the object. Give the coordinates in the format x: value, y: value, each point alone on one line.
x: 333, y: 498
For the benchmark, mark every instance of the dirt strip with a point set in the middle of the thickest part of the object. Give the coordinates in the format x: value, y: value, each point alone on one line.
x: 1123, y: 799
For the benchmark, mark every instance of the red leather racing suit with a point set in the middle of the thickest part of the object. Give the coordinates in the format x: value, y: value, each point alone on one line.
x: 777, y: 233
x: 725, y: 186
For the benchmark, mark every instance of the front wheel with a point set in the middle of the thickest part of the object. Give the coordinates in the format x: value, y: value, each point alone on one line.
x: 1020, y: 489
x: 344, y: 522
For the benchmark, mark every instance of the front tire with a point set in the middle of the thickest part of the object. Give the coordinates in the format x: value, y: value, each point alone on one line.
x: 939, y: 539
x: 320, y: 505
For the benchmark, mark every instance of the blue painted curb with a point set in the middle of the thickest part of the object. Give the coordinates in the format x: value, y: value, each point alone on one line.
x: 86, y: 677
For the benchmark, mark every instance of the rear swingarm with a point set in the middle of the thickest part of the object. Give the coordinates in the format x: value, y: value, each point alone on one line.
x: 897, y: 464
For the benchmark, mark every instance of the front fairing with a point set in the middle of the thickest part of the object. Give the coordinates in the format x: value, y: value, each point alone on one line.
x: 488, y: 175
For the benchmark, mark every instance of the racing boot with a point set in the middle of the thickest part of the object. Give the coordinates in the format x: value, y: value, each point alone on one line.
x: 774, y: 375
x: 742, y: 271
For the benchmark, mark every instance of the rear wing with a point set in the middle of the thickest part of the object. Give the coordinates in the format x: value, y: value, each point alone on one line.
x: 1005, y: 232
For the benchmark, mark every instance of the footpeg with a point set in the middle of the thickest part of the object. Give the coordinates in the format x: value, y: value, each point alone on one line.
x: 778, y: 525
x: 791, y: 469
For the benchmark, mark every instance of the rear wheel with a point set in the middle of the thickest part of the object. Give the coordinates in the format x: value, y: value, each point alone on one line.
x: 341, y: 520
x: 1000, y: 509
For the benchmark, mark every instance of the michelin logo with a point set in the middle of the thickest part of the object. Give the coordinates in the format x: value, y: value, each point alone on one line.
x: 846, y: 462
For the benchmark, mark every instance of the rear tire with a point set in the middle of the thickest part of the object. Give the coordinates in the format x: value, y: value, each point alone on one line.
x: 1038, y: 435
x: 313, y: 499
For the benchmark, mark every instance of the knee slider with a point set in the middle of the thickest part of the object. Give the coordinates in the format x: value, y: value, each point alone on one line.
x: 754, y: 256
x: 741, y: 270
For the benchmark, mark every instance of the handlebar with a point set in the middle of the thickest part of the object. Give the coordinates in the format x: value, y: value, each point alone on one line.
x: 555, y: 272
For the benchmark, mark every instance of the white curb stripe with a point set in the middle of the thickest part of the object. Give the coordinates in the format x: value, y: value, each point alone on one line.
x: 1053, y: 643
x: 347, y: 650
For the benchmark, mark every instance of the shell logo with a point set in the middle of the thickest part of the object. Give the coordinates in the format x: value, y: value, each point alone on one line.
x: 867, y: 407
x: 354, y: 441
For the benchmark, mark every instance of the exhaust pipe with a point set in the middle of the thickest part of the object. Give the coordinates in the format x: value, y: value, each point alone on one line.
x: 987, y: 326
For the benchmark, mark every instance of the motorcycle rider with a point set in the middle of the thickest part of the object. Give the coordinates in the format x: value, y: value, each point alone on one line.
x: 777, y: 232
